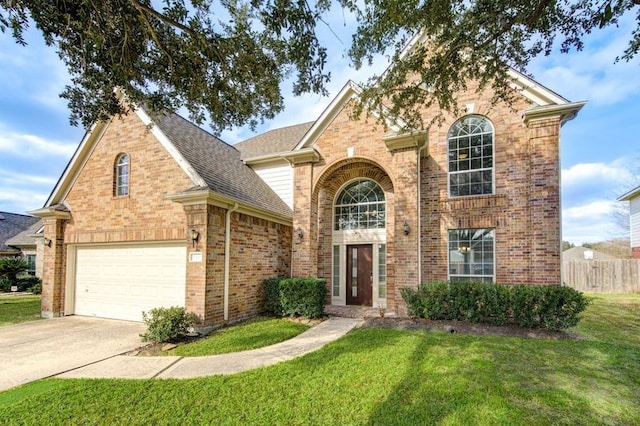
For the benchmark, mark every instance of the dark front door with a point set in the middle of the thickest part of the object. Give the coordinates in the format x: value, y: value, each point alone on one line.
x: 359, y: 274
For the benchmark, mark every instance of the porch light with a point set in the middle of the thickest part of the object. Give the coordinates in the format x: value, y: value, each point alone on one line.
x: 47, y: 242
x: 195, y: 236
x: 405, y: 228
x: 300, y: 233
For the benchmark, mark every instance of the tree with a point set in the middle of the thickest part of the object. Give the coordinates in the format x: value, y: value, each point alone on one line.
x: 225, y: 61
x: 566, y: 245
x: 10, y: 267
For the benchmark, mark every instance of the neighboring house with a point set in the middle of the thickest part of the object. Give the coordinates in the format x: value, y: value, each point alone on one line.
x: 17, y: 238
x: 30, y: 244
x: 585, y: 254
x: 154, y: 211
x: 633, y: 197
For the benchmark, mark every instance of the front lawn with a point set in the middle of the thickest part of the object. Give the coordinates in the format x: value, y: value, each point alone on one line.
x: 251, y: 334
x: 383, y: 376
x: 15, y: 309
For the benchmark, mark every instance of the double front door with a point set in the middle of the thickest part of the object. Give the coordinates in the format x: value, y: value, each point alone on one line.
x: 359, y: 274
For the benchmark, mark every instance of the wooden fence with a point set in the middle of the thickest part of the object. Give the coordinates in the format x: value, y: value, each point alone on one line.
x: 602, y: 276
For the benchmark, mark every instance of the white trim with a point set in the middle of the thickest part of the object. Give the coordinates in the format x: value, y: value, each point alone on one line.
x: 348, y: 91
x: 493, y: 160
x: 629, y: 195
x: 171, y: 149
x: 495, y: 257
x: 77, y: 162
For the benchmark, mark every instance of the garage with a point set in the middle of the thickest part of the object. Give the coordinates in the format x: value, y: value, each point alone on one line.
x: 121, y: 281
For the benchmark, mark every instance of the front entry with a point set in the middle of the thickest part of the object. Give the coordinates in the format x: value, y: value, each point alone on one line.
x: 359, y: 274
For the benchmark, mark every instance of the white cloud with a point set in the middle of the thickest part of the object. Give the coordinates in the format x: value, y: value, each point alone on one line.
x: 591, y: 222
x: 32, y: 146
x: 615, y: 173
x: 10, y: 178
x: 20, y: 201
x: 593, y: 73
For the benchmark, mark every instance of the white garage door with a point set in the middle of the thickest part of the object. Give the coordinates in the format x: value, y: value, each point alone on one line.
x: 120, y: 282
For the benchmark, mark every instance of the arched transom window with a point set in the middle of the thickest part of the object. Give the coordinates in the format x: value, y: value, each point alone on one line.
x: 121, y: 179
x: 360, y: 205
x: 471, y: 157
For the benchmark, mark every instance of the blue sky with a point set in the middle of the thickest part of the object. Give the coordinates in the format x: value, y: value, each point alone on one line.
x: 600, y: 148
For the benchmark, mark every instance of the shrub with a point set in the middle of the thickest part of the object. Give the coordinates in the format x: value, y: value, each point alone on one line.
x: 10, y: 267
x: 550, y: 307
x: 295, y: 296
x: 36, y: 288
x: 167, y: 324
x: 272, y: 296
x: 5, y: 284
x: 27, y: 282
x: 553, y: 307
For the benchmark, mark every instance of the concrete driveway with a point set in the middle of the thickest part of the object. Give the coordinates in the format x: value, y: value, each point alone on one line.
x: 39, y: 349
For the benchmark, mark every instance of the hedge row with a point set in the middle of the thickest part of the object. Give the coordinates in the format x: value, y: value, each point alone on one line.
x: 26, y: 283
x: 295, y: 296
x: 550, y: 307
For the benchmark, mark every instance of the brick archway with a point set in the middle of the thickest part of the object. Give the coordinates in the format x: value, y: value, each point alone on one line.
x: 325, y: 190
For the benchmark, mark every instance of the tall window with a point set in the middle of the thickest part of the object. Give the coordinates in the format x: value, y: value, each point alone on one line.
x: 121, y: 181
x: 360, y: 205
x: 31, y: 262
x: 471, y: 255
x: 471, y: 157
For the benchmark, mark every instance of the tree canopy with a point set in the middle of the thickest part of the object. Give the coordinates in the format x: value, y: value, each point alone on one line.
x: 225, y: 61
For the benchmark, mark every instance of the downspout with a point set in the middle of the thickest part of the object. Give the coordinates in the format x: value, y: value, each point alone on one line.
x: 419, y: 210
x: 227, y: 258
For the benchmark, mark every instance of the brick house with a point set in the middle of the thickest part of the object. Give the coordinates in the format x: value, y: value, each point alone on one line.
x: 633, y: 197
x: 18, y: 239
x: 155, y: 211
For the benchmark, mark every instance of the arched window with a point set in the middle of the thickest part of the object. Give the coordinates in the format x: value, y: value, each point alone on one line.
x: 360, y: 205
x: 471, y: 156
x: 121, y: 180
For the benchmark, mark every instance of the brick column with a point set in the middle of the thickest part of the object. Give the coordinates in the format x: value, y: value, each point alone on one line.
x: 54, y: 264
x: 544, y: 202
x: 404, y: 248
x: 304, y: 260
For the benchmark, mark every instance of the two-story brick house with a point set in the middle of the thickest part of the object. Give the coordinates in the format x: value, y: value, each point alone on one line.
x: 153, y: 211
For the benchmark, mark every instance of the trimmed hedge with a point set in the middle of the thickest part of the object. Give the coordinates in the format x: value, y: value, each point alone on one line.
x: 550, y: 307
x: 295, y: 296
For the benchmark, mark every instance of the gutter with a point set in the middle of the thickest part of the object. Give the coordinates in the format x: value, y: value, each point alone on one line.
x: 227, y: 258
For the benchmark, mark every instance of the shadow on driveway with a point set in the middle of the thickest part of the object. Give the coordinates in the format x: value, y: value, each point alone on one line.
x: 35, y: 350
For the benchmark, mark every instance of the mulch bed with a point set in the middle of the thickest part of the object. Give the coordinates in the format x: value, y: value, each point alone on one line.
x: 463, y: 327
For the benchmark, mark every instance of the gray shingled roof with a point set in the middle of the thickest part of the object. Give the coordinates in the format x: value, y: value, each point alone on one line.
x: 577, y: 253
x: 26, y: 238
x: 273, y: 141
x: 11, y: 224
x: 220, y: 165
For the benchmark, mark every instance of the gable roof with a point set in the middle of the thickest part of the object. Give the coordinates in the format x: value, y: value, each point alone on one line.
x: 219, y: 165
x: 12, y: 224
x: 209, y: 162
x: 26, y: 237
x: 273, y: 141
x: 577, y: 253
x: 635, y: 192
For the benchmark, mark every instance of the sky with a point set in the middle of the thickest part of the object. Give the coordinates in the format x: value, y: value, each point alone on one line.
x: 600, y: 148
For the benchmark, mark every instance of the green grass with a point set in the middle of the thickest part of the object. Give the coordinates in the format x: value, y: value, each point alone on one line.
x: 16, y: 309
x: 251, y: 334
x: 383, y: 377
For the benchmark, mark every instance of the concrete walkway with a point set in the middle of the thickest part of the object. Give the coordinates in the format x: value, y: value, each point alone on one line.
x: 130, y: 367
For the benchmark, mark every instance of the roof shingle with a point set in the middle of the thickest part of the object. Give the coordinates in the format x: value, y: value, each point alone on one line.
x: 11, y: 224
x: 220, y: 165
x: 273, y: 142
